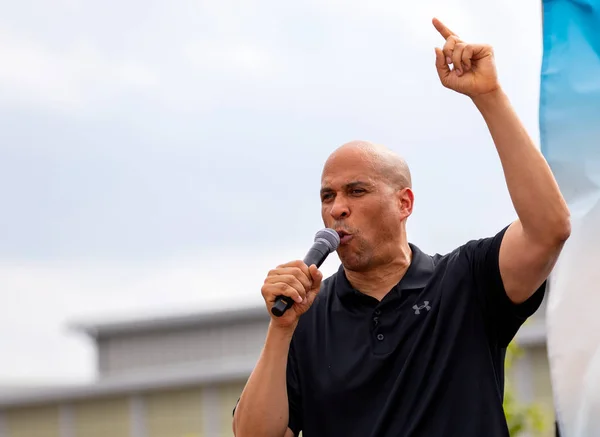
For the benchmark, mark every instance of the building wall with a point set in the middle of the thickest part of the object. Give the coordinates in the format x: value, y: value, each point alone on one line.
x: 38, y: 421
x: 175, y: 413
x: 183, y: 412
x: 101, y: 418
x: 230, y: 393
x: 130, y: 353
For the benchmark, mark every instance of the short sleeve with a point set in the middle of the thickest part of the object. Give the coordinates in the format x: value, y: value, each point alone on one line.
x: 294, y: 392
x: 503, y: 318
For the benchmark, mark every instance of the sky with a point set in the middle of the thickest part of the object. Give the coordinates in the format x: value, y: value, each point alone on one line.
x: 160, y: 157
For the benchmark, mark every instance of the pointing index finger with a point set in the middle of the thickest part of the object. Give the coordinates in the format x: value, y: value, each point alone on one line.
x: 442, y: 29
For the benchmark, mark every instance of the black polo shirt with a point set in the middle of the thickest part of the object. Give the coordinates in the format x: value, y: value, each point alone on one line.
x: 426, y: 361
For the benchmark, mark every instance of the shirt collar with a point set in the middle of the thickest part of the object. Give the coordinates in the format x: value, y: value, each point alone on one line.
x: 416, y: 277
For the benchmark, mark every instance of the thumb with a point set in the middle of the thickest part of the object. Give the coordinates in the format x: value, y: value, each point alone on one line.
x: 443, y: 69
x: 316, y: 276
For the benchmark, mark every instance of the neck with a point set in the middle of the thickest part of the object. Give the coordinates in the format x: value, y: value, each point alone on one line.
x: 378, y: 281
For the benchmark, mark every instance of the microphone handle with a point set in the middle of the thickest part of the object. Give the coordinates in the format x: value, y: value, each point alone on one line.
x: 316, y: 255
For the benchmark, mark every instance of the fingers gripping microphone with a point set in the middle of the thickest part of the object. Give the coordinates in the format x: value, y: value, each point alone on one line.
x: 326, y: 241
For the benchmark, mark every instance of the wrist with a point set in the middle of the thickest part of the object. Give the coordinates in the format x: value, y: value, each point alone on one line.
x: 280, y: 334
x: 490, y: 99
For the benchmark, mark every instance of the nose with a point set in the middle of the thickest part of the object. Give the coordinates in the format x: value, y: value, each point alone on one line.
x: 339, y: 209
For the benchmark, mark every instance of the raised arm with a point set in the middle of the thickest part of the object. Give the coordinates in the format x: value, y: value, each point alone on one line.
x: 532, y: 244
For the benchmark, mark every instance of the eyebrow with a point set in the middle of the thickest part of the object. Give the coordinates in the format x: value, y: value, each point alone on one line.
x: 352, y: 184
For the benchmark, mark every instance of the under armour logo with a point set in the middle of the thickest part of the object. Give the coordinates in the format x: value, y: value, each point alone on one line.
x: 418, y: 308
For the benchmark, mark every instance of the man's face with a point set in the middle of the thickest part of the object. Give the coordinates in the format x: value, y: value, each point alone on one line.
x: 367, y: 211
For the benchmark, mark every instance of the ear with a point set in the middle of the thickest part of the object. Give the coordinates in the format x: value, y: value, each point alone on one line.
x: 406, y: 200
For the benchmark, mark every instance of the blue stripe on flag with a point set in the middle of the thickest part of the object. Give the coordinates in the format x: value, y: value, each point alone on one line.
x: 570, y: 98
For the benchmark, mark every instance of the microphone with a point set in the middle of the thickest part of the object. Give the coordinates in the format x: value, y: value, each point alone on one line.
x: 326, y: 241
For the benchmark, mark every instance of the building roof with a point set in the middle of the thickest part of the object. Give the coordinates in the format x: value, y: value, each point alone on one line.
x: 138, y: 381
x: 198, y: 373
x: 161, y: 322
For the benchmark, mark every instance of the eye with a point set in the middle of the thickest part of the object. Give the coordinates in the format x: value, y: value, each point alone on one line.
x: 325, y: 197
x: 357, y: 191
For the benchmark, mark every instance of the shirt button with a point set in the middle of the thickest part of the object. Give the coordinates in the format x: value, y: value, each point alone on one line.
x: 379, y: 337
x: 377, y: 312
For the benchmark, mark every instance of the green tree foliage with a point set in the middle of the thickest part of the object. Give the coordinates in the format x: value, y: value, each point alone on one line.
x: 523, y: 419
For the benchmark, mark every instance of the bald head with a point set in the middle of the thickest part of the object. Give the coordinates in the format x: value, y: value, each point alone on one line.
x: 386, y: 163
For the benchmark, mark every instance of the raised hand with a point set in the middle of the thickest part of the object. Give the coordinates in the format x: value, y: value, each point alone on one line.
x: 473, y: 71
x: 296, y: 280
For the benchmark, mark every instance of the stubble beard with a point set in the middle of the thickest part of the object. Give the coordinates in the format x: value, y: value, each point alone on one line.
x: 357, y: 258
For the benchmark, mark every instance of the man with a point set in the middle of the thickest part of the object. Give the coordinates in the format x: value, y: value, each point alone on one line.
x: 400, y: 343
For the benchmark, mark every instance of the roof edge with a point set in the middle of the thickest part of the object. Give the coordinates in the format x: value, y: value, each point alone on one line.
x: 175, y: 320
x: 130, y: 384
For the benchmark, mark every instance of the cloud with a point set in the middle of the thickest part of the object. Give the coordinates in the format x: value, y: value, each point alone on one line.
x: 66, y: 80
x: 240, y: 58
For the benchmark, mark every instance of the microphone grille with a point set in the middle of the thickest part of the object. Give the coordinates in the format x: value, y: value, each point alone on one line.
x: 329, y: 237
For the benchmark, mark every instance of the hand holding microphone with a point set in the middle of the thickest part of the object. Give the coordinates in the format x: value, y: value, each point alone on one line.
x: 295, y: 285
